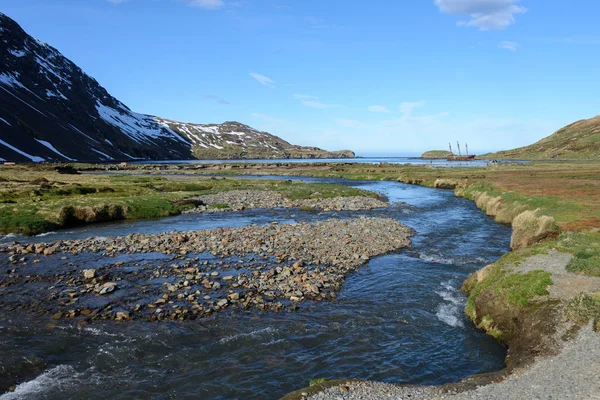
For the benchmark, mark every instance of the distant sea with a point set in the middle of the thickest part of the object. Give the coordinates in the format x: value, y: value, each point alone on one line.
x: 361, y: 160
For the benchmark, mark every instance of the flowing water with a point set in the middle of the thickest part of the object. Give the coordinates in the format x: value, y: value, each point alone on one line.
x: 398, y: 319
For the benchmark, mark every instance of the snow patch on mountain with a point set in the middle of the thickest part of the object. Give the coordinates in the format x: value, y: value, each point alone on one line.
x: 10, y: 79
x: 49, y: 145
x: 13, y: 148
x: 104, y: 155
x: 17, y: 53
x: 23, y: 101
x: 139, y: 127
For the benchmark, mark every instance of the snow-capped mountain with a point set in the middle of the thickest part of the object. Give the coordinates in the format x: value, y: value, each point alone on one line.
x: 50, y: 110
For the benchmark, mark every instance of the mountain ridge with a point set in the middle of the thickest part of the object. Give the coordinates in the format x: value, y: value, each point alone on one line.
x: 51, y: 110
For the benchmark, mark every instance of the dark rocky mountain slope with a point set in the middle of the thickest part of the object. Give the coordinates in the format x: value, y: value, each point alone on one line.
x: 50, y: 110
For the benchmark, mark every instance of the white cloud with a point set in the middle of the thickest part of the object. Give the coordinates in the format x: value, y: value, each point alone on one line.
x: 379, y: 109
x: 116, y: 1
x: 207, y: 4
x: 408, y: 107
x: 263, y: 80
x: 319, y: 105
x: 484, y: 14
x: 508, y: 45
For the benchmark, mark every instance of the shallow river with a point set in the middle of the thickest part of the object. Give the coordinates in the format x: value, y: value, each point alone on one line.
x: 399, y: 319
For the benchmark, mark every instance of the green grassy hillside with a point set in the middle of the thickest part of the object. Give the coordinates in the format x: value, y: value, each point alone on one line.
x: 580, y: 140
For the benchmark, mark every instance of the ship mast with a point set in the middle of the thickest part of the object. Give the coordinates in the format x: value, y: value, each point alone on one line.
x: 467, y: 146
x: 450, y: 147
x: 459, y: 154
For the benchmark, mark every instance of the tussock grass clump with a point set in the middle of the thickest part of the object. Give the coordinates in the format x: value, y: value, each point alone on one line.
x: 529, y: 227
x: 503, y: 211
x: 442, y: 183
x: 497, y: 289
x: 76, y: 215
x: 583, y: 308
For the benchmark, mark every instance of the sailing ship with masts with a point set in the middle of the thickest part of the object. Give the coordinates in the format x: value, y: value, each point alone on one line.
x: 460, y: 157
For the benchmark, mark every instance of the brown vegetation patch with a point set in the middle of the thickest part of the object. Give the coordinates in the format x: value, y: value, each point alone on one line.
x: 529, y: 227
x: 76, y: 215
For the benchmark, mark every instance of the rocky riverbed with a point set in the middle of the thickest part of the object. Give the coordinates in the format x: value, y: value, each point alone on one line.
x: 273, y: 267
x: 239, y: 200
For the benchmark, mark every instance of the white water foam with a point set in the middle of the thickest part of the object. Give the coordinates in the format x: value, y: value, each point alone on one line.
x: 45, y: 234
x: 86, y: 329
x: 252, y: 334
x: 451, y: 311
x: 9, y: 238
x: 437, y: 259
x: 57, y: 377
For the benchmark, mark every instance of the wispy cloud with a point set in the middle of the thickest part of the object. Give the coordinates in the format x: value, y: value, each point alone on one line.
x: 486, y: 15
x: 379, y: 109
x: 263, y: 80
x: 215, y: 98
x: 407, y: 108
x: 206, y: 4
x: 116, y: 1
x: 508, y: 45
x: 319, y: 105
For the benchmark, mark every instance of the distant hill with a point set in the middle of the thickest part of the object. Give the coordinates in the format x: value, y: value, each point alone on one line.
x: 436, y: 154
x: 51, y: 110
x: 580, y: 140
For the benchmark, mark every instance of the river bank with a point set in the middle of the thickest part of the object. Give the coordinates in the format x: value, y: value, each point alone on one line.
x: 399, y: 309
x: 36, y: 199
x: 571, y: 374
x: 535, y: 308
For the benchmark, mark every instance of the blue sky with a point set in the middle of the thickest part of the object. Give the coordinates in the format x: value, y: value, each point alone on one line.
x: 379, y: 77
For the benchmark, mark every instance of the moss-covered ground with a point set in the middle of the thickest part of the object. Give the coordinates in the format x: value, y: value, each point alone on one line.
x: 35, y: 199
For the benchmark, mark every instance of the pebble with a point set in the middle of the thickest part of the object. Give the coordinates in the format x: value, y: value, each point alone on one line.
x: 239, y: 200
x: 278, y: 267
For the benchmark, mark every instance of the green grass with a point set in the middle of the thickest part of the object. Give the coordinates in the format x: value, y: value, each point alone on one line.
x: 562, y: 209
x: 317, y: 381
x: 32, y: 205
x: 220, y: 206
x: 515, y: 289
x: 585, y: 248
x: 23, y: 220
x: 436, y: 154
x: 294, y: 191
